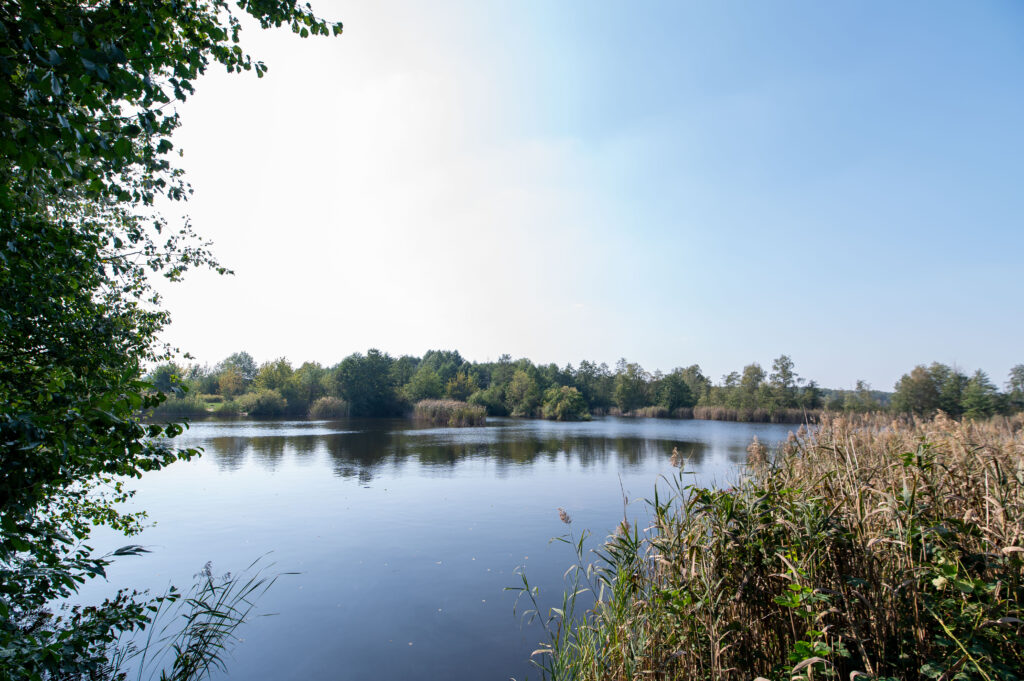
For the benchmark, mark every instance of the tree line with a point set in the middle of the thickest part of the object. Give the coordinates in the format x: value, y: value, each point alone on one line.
x: 376, y: 384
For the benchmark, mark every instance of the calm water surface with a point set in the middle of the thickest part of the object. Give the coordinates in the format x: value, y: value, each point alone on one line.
x: 404, y: 538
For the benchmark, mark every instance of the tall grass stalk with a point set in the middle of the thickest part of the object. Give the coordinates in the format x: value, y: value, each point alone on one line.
x: 863, y: 548
x: 189, y: 634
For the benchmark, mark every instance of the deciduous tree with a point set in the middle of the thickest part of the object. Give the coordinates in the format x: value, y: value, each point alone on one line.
x: 87, y: 94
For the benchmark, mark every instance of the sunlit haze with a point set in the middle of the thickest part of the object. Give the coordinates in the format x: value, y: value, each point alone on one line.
x: 714, y: 183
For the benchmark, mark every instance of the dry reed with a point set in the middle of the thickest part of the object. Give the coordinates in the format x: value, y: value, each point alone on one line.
x: 451, y: 413
x: 888, y: 549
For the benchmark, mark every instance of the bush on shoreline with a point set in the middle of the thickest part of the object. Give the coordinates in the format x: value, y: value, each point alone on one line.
x: 565, y: 404
x: 188, y: 406
x: 451, y: 413
x: 328, y: 408
x: 263, y: 403
x: 889, y: 549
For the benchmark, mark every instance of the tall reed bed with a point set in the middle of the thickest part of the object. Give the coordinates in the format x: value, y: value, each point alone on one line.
x: 188, y: 406
x: 329, y: 408
x: 748, y: 415
x: 742, y: 414
x: 864, y: 548
x: 451, y: 413
x: 654, y: 412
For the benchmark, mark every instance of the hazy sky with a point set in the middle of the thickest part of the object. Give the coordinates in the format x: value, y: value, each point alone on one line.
x: 712, y: 183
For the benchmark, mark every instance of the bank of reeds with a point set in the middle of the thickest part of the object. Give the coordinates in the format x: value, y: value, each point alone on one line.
x: 188, y: 406
x: 758, y: 415
x: 328, y: 408
x: 654, y: 412
x: 885, y: 550
x: 745, y: 415
x: 451, y: 413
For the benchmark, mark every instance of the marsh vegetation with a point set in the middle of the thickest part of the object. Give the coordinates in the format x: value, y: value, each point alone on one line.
x: 866, y: 546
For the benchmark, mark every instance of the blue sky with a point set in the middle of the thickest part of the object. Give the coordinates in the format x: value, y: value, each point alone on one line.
x: 676, y: 183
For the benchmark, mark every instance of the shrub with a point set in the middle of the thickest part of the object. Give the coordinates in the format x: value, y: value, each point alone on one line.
x: 451, y: 413
x: 563, y: 403
x: 329, y: 408
x: 263, y: 403
x: 228, y: 410
x: 492, y: 399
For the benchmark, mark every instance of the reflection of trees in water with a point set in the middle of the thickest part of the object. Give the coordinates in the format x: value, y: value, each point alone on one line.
x: 228, y: 452
x: 305, y: 445
x: 269, y: 450
x: 514, y: 448
x: 361, y: 454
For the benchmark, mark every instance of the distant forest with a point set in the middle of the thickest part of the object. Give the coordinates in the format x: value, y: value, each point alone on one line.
x: 376, y: 384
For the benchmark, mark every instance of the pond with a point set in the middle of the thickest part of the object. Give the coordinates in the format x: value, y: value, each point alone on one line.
x: 403, y: 538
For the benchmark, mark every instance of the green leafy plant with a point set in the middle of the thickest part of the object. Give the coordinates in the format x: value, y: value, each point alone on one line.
x: 87, y: 94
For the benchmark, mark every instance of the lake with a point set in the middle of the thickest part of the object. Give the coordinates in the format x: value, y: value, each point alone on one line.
x: 404, y: 538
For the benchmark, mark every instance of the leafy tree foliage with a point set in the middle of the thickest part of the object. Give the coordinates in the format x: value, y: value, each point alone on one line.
x: 522, y: 388
x: 939, y: 387
x: 445, y: 363
x: 699, y: 384
x: 523, y: 395
x: 981, y: 398
x: 264, y: 403
x: 424, y: 385
x: 244, y: 364
x: 752, y: 388
x: 230, y: 382
x: 860, y: 399
x: 461, y: 387
x: 630, y: 390
x: 492, y: 399
x: 165, y: 377
x: 274, y: 375
x: 674, y: 392
x: 404, y: 369
x: 783, y: 382
x: 86, y: 116
x: 595, y: 383
x: 1015, y: 387
x: 565, y: 403
x: 917, y: 392
x: 367, y: 384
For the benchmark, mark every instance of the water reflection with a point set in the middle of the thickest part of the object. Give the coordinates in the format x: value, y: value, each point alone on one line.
x: 403, y: 539
x: 359, y: 448
x: 228, y: 452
